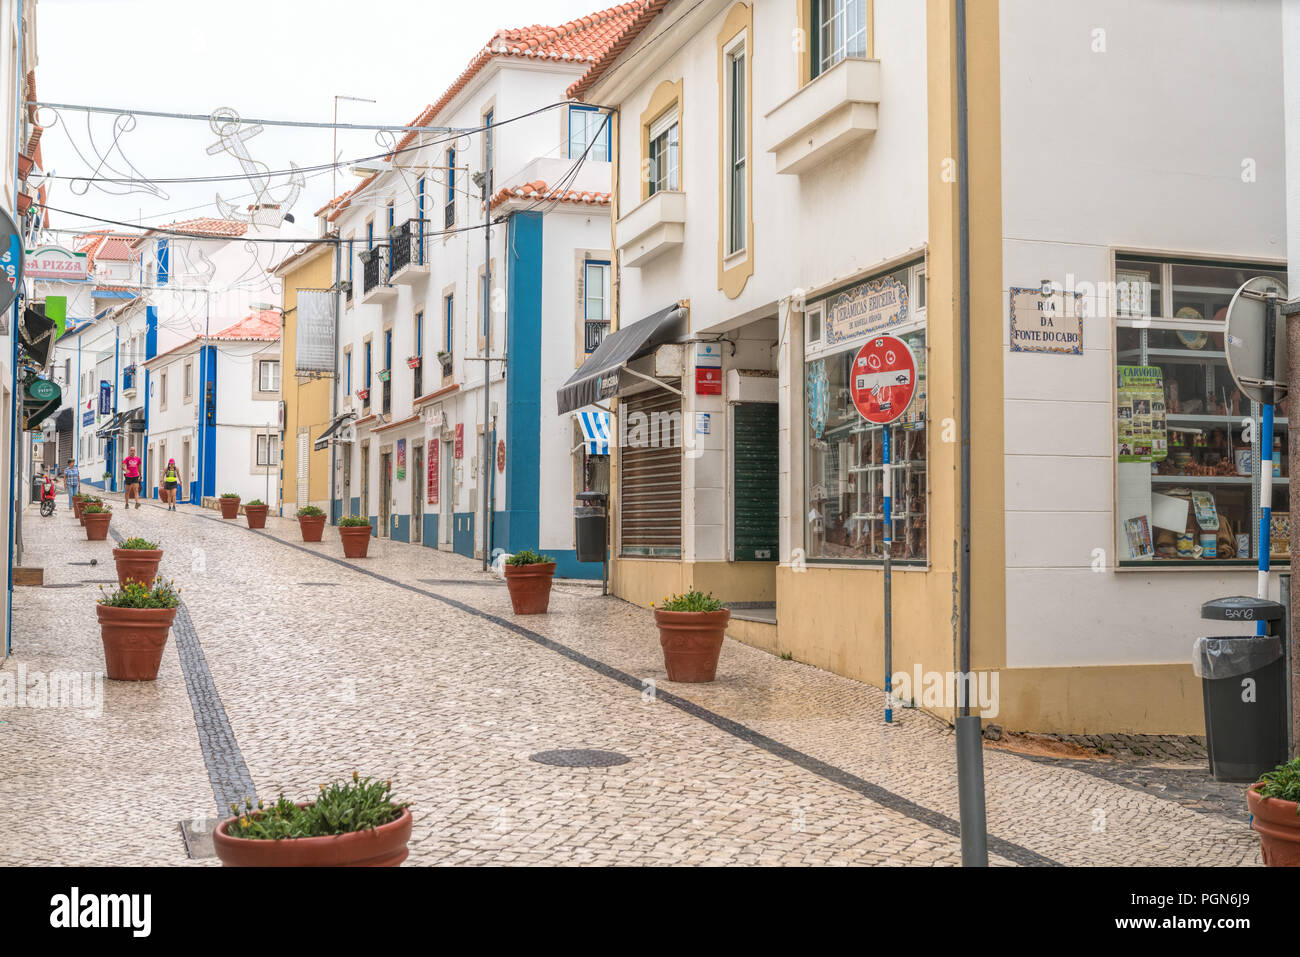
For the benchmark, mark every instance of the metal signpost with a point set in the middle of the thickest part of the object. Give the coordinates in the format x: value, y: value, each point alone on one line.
x: 882, y: 383
x: 1255, y: 343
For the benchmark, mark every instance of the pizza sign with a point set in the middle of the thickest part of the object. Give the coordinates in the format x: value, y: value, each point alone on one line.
x: 882, y: 380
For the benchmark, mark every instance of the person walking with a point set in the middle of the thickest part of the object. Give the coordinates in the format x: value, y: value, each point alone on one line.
x: 71, y: 480
x: 131, y: 469
x: 171, y: 481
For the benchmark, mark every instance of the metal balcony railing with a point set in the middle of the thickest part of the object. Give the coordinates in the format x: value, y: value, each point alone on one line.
x: 407, y: 245
x: 374, y: 272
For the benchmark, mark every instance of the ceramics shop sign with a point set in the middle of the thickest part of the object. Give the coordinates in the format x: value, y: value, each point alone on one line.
x: 865, y: 309
x: 1044, y: 320
x: 882, y: 381
x: 55, y: 262
x: 401, y: 460
x: 460, y: 440
x: 433, y: 449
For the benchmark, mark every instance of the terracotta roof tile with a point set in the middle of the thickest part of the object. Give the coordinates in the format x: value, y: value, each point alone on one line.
x: 538, y: 191
x: 260, y: 326
x: 203, y: 226
x: 617, y: 44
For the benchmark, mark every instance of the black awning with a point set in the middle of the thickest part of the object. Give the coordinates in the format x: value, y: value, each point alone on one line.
x: 601, y: 376
x: 110, y: 427
x: 331, y: 431
x: 133, y: 420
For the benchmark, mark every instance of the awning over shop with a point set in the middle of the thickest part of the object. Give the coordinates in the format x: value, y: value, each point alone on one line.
x: 602, y: 375
x: 111, y: 427
x: 595, y: 432
x: 334, y: 431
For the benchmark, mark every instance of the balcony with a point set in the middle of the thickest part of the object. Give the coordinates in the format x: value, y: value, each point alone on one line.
x: 406, y: 251
x: 655, y: 227
x: 375, y: 285
x: 835, y: 111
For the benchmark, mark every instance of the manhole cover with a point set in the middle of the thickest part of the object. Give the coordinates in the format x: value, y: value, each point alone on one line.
x: 580, y: 758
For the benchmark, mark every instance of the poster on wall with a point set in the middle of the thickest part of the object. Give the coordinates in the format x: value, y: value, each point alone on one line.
x: 401, y: 460
x: 1044, y: 320
x: 460, y: 440
x: 1140, y: 414
x: 868, y: 308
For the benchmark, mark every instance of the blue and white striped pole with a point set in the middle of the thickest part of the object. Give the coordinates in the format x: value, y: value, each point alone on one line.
x: 1266, y: 451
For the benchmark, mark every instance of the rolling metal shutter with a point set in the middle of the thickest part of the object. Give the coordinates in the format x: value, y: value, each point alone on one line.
x: 304, y: 450
x: 650, y: 475
x: 755, y: 490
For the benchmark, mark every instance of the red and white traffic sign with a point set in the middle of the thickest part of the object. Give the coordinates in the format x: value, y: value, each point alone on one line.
x: 883, y: 379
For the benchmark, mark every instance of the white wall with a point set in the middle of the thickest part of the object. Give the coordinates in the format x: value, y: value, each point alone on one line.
x: 1137, y: 147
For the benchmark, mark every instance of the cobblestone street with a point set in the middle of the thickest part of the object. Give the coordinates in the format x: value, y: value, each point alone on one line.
x: 290, y: 666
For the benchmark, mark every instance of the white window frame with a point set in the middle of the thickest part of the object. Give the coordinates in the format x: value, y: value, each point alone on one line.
x: 734, y: 145
x: 262, y: 365
x: 663, y: 127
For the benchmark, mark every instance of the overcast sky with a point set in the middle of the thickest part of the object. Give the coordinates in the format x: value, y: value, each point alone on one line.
x: 275, y: 59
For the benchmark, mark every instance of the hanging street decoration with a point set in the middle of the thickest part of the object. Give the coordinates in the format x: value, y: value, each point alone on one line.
x: 265, y: 209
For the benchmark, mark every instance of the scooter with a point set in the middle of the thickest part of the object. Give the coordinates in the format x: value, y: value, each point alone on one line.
x: 47, y: 497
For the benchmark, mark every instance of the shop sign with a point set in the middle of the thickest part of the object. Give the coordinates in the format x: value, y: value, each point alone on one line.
x: 708, y: 368
x: 433, y: 448
x: 883, y: 379
x: 1142, y: 428
x: 460, y: 440
x: 702, y: 423
x: 501, y: 456
x: 55, y: 262
x: 105, y: 398
x: 1046, y: 320
x: 11, y: 266
x: 870, y: 307
x: 401, y: 460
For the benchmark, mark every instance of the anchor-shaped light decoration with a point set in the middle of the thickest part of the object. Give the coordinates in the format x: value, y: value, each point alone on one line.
x: 264, y: 210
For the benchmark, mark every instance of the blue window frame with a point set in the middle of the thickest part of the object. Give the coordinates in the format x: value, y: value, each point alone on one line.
x: 370, y: 236
x: 448, y: 310
x: 347, y: 371
x: 391, y: 221
x: 588, y: 125
x: 419, y: 333
x: 367, y: 365
x: 388, y: 349
x: 419, y: 215
x: 449, y: 209
x: 352, y: 255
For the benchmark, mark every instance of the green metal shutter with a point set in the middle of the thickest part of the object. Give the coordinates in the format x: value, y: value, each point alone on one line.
x: 754, y: 485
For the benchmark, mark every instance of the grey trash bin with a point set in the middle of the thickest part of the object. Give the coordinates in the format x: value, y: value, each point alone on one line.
x: 1243, y: 684
x: 590, y: 532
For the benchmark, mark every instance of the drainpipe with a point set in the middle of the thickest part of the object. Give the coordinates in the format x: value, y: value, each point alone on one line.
x: 970, y: 753
x: 487, y: 352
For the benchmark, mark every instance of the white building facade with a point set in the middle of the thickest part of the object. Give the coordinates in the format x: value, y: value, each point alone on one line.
x: 413, y: 335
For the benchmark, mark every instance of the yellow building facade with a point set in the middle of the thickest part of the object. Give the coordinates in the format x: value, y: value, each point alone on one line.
x: 305, y: 476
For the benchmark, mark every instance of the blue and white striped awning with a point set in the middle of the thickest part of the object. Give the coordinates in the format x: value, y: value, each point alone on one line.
x: 595, y: 432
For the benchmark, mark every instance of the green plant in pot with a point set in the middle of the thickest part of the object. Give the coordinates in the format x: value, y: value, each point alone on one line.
x: 355, y: 532
x: 1274, y: 803
x: 229, y: 503
x: 311, y: 523
x: 349, y: 824
x: 137, y: 560
x: 133, y: 624
x: 691, y: 629
x: 255, y: 511
x: 528, y: 577
x: 95, y: 516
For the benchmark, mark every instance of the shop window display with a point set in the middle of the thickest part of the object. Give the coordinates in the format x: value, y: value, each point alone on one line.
x: 843, y: 467
x: 1186, y: 438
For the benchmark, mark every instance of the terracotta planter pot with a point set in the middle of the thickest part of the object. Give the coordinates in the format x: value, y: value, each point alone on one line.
x: 530, y: 587
x: 383, y: 846
x: 25, y: 164
x: 256, y: 515
x: 692, y: 641
x: 311, y: 527
x: 137, y: 564
x: 356, y: 540
x: 134, y: 639
x: 1278, y: 826
x: 77, y: 505
x: 96, y: 525
x: 229, y: 507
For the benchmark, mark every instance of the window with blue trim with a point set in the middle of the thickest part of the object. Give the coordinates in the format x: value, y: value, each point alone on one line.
x: 370, y: 236
x: 448, y: 310
x: 587, y: 125
x: 449, y: 210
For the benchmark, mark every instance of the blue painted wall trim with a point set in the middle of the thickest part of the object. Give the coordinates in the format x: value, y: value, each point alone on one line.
x: 430, y: 537
x: 207, y: 471
x: 374, y: 526
x: 336, y: 511
x: 523, y: 383
x: 150, y: 332
x: 568, y: 566
x: 355, y: 509
x: 401, y: 530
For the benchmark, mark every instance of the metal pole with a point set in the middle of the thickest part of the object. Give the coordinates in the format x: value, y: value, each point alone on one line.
x: 1266, y: 451
x: 970, y: 754
x: 15, y: 543
x: 888, y: 516
x: 334, y: 389
x: 487, y: 349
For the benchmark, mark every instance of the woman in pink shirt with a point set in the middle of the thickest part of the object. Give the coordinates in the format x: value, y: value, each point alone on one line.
x: 131, y: 469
